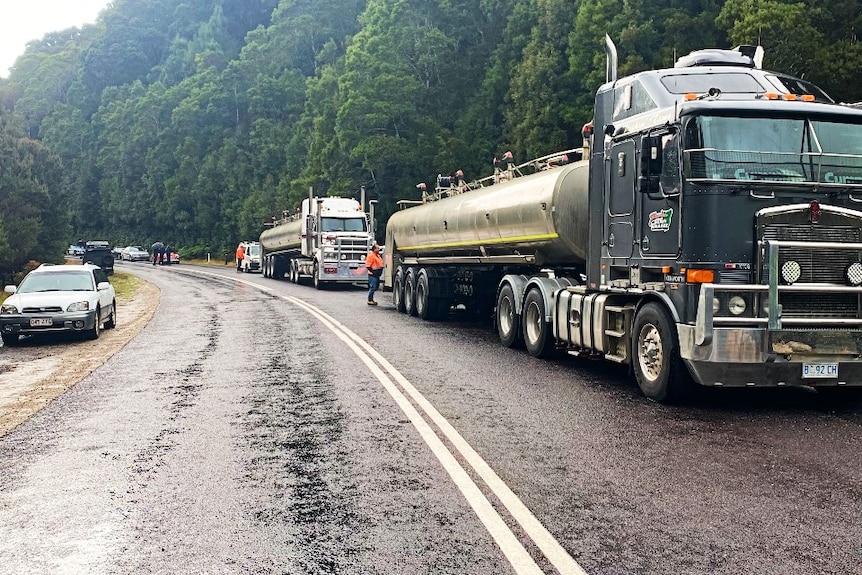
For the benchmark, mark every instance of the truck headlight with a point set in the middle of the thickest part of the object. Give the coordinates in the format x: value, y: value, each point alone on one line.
x: 736, y: 305
x: 791, y: 271
x: 79, y: 306
x: 853, y: 274
x: 8, y: 308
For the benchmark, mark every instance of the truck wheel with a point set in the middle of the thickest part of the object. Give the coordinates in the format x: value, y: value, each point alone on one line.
x: 536, y: 330
x: 410, y: 292
x: 659, y: 371
x: 398, y: 290
x: 317, y: 283
x: 507, y: 319
x: 425, y: 308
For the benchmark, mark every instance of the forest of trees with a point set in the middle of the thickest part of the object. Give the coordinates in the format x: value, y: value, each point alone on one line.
x: 195, y: 121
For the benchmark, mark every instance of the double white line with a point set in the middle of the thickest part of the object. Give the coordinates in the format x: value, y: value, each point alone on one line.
x: 514, y: 551
x: 397, y: 386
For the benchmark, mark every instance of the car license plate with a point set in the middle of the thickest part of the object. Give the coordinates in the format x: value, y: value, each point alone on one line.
x: 41, y: 322
x: 819, y: 370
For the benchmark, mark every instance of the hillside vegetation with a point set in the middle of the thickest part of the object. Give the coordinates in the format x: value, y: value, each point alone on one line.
x: 194, y: 121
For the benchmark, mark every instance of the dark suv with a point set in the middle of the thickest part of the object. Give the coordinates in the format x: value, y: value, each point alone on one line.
x: 98, y: 252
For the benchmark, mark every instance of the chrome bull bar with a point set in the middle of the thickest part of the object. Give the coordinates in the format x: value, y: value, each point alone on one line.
x: 773, y: 319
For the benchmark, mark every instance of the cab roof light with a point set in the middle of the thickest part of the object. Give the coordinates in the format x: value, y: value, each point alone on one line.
x: 696, y: 276
x: 690, y: 97
x: 807, y: 97
x: 788, y: 97
x: 771, y: 96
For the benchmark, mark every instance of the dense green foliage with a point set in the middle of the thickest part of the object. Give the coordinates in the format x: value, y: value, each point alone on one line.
x: 194, y: 122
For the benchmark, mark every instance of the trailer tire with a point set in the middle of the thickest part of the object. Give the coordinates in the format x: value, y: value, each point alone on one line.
x: 398, y: 290
x: 659, y: 371
x: 535, y: 328
x: 506, y: 319
x: 410, y: 292
x: 292, y: 274
x: 426, y: 308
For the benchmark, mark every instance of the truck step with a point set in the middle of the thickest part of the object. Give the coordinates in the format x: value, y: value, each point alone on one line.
x: 615, y: 358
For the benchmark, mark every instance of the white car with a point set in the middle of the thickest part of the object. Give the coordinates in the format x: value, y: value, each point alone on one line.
x: 134, y: 254
x: 59, y: 298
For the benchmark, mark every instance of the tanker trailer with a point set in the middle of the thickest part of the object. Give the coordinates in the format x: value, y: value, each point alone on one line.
x: 327, y: 242
x: 454, y: 249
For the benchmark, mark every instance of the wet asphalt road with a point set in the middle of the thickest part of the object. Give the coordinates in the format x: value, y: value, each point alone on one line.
x: 238, y: 434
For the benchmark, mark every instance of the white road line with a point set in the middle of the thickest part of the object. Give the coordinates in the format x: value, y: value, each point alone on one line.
x: 505, y: 538
x: 517, y: 555
x: 559, y: 557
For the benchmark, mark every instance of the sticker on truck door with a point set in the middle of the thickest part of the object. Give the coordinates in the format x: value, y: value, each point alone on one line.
x: 661, y: 220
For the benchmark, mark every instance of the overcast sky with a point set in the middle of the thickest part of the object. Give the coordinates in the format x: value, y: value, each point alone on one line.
x: 22, y: 21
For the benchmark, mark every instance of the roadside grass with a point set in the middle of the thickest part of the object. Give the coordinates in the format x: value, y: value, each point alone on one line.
x: 125, y: 284
x: 211, y: 262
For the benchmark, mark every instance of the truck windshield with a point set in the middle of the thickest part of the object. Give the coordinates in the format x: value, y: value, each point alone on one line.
x: 780, y: 150
x: 342, y: 224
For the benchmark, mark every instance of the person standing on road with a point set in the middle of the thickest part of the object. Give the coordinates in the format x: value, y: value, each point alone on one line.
x: 158, y: 249
x: 167, y: 257
x: 240, y: 254
x: 374, y: 263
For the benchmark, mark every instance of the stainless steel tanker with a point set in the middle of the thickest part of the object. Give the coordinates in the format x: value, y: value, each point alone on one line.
x: 327, y: 241
x: 539, y: 219
x: 285, y: 237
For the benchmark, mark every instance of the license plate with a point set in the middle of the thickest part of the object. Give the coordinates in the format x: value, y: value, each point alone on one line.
x: 41, y: 322
x: 328, y: 270
x: 819, y: 370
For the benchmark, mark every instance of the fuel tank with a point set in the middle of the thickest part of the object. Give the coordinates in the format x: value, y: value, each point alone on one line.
x: 283, y: 237
x: 543, y: 214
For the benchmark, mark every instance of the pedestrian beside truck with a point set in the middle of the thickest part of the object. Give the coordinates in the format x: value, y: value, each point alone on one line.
x: 374, y: 263
x: 158, y: 249
x: 240, y: 254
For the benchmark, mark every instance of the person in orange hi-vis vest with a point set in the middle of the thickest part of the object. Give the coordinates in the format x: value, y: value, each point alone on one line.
x: 240, y: 254
x: 374, y: 263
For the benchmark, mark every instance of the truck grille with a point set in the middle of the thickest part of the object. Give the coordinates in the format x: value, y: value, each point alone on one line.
x: 355, y: 249
x: 817, y: 266
x: 50, y: 309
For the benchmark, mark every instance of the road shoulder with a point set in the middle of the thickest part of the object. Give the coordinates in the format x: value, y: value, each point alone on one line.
x: 31, y: 376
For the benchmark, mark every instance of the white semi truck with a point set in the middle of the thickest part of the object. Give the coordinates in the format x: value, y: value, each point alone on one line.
x: 327, y: 242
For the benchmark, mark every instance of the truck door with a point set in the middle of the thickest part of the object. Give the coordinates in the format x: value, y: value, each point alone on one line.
x: 619, y: 216
x: 659, y: 208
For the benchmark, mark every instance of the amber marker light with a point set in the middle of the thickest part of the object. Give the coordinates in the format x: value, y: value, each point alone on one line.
x: 771, y: 96
x: 807, y: 97
x: 788, y: 97
x: 694, y: 276
x: 689, y: 97
x: 666, y: 269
